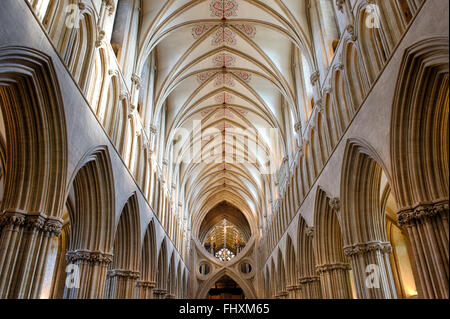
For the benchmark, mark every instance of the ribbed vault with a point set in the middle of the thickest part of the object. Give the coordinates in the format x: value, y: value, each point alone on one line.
x: 224, y: 92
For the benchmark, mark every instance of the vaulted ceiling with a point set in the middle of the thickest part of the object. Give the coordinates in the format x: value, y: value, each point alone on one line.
x: 227, y: 64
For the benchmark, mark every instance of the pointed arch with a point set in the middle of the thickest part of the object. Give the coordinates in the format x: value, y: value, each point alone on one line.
x: 356, y: 76
x: 363, y: 220
x: 162, y: 272
x: 292, y: 270
x: 92, y: 222
x: 419, y: 158
x: 332, y: 265
x: 36, y: 138
x: 309, y: 279
x: 33, y: 167
x: 148, y: 254
x: 206, y: 286
x: 124, y: 270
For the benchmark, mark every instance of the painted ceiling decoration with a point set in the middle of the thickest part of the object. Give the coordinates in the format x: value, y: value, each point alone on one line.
x: 199, y: 30
x: 227, y: 64
x: 224, y: 60
x: 224, y: 8
x: 224, y: 78
x: 224, y: 35
x: 224, y: 98
x: 247, y: 29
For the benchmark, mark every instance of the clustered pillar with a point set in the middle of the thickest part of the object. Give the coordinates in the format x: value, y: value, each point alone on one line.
x: 294, y: 291
x: 335, y: 281
x: 145, y: 289
x: 427, y: 227
x: 92, y: 267
x: 160, y: 293
x: 372, y: 259
x: 122, y: 283
x: 24, y: 246
x: 310, y: 287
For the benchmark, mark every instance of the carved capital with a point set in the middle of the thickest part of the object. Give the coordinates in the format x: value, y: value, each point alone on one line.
x: 125, y: 274
x: 331, y: 267
x: 100, y: 38
x: 320, y: 105
x: 351, y: 30
x: 9, y: 218
x: 362, y: 249
x: 136, y: 80
x: 109, y: 6
x: 35, y: 222
x: 153, y: 129
x: 335, y: 203
x: 315, y: 76
x: 53, y: 226
x: 160, y: 292
x: 421, y: 213
x: 90, y: 257
x: 146, y: 284
x: 310, y: 232
x: 340, y: 5
x: 308, y: 280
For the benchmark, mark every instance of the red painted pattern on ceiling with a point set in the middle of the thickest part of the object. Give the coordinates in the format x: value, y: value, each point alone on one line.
x: 223, y: 8
x: 224, y: 60
x: 200, y: 29
x: 224, y: 98
x: 224, y: 35
x: 247, y: 29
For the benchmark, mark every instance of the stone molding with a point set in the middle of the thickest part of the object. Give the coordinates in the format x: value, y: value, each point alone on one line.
x: 361, y: 249
x: 160, y: 292
x: 146, y: 284
x: 420, y: 213
x: 36, y: 221
x: 125, y: 274
x: 291, y: 288
x: 308, y: 280
x: 335, y: 203
x: 90, y: 257
x: 330, y: 267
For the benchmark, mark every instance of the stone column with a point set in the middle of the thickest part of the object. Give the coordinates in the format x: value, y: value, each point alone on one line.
x: 24, y: 246
x: 92, y: 267
x: 335, y: 281
x: 310, y: 287
x: 428, y: 231
x: 122, y: 283
x: 145, y: 289
x: 372, y: 270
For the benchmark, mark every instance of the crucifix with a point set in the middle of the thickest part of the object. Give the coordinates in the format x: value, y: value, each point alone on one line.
x: 225, y: 227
